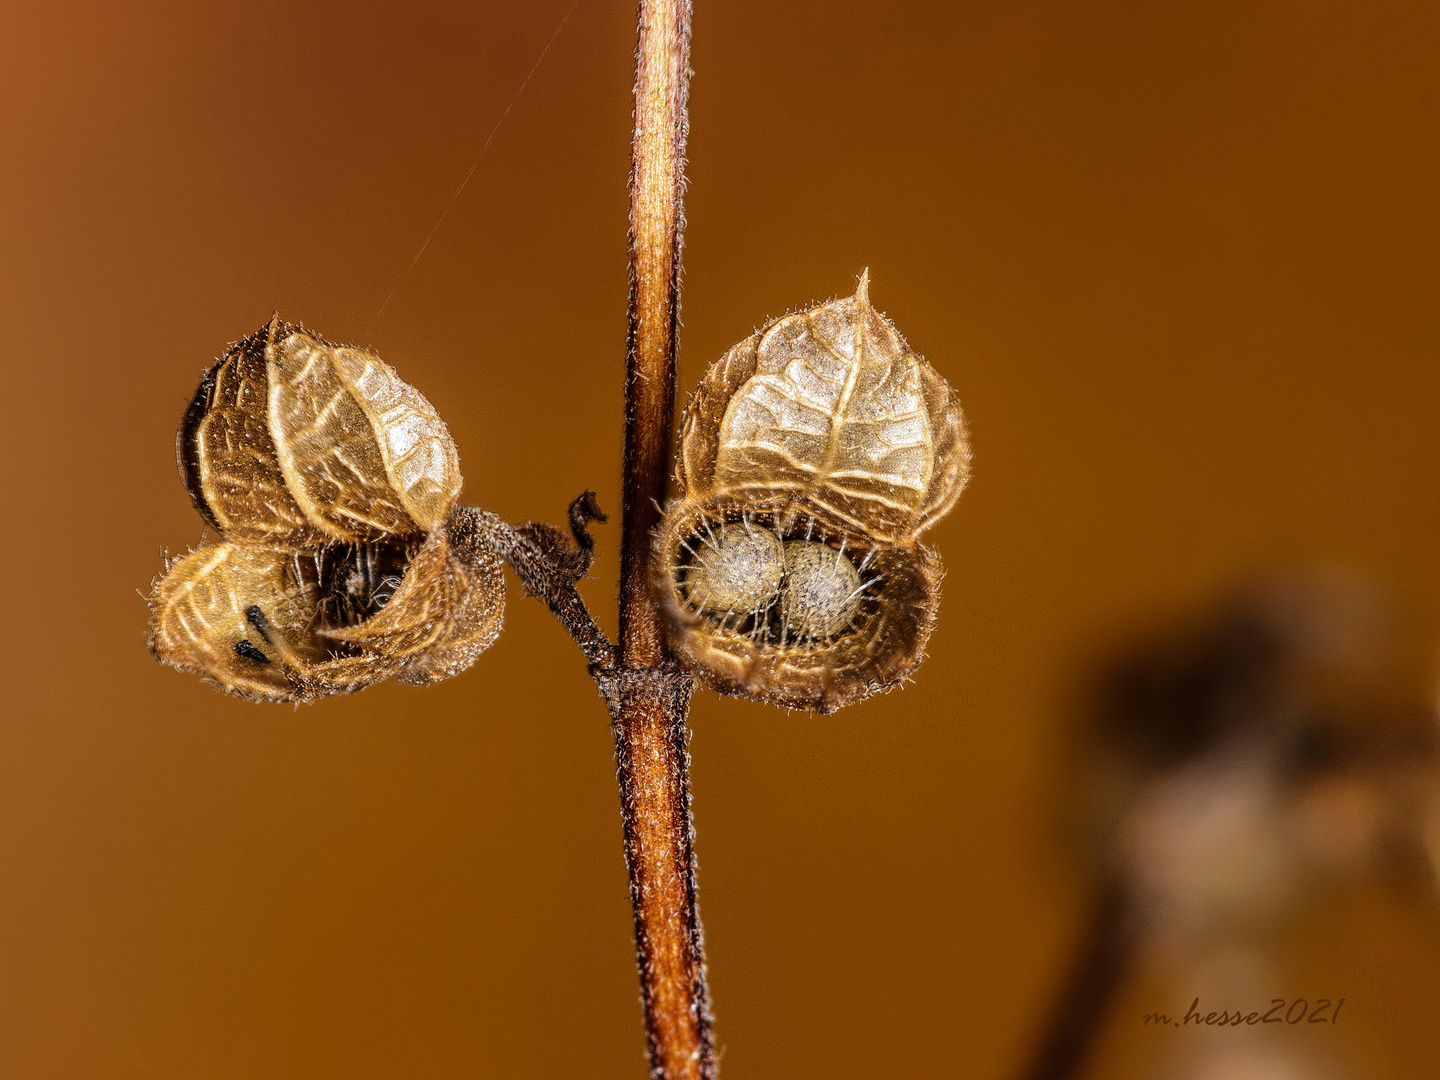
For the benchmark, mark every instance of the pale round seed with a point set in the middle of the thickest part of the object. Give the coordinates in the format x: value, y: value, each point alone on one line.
x: 735, y: 570
x: 821, y: 591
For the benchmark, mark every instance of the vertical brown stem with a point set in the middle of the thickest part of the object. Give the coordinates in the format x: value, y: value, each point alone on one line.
x: 648, y: 700
x: 649, y: 709
x: 662, y: 62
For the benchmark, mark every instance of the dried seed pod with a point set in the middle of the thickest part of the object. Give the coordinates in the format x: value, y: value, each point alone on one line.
x: 239, y: 616
x: 826, y: 432
x: 333, y: 484
x: 291, y: 440
x: 831, y: 407
x: 271, y: 624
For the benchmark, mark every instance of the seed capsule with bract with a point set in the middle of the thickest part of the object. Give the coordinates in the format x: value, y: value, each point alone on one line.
x: 827, y: 432
x: 332, y: 483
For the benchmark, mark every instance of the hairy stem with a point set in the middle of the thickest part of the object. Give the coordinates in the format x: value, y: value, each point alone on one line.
x: 648, y: 700
x: 649, y: 709
x: 656, y: 219
x: 544, y: 564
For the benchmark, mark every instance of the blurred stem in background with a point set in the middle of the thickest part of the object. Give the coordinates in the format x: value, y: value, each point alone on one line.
x: 1241, y: 759
x: 1103, y: 956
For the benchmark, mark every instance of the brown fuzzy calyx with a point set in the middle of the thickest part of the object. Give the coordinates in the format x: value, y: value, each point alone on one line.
x: 811, y: 457
x: 332, y: 483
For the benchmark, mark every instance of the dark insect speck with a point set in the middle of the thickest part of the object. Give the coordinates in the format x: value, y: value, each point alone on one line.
x: 250, y: 652
x: 256, y: 618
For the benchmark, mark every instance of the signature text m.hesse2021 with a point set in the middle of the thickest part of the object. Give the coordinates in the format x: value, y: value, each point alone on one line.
x: 1280, y: 1012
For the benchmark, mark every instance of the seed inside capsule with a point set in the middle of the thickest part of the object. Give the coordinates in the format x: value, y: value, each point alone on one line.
x: 821, y: 592
x: 357, y: 580
x: 735, y: 569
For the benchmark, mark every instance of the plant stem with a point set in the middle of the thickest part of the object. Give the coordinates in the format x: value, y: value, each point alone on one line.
x: 1102, y: 961
x: 648, y: 700
x: 545, y: 566
x: 656, y: 186
x: 649, y: 708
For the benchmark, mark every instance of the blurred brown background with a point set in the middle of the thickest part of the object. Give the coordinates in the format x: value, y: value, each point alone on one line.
x: 1180, y: 260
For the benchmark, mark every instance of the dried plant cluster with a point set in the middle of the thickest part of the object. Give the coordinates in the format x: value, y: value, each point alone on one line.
x: 331, y: 483
x: 789, y: 570
x: 811, y: 458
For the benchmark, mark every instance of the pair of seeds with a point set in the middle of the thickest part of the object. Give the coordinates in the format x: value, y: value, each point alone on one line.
x: 796, y: 590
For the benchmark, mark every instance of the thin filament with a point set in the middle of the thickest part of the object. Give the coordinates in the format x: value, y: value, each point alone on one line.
x: 475, y: 164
